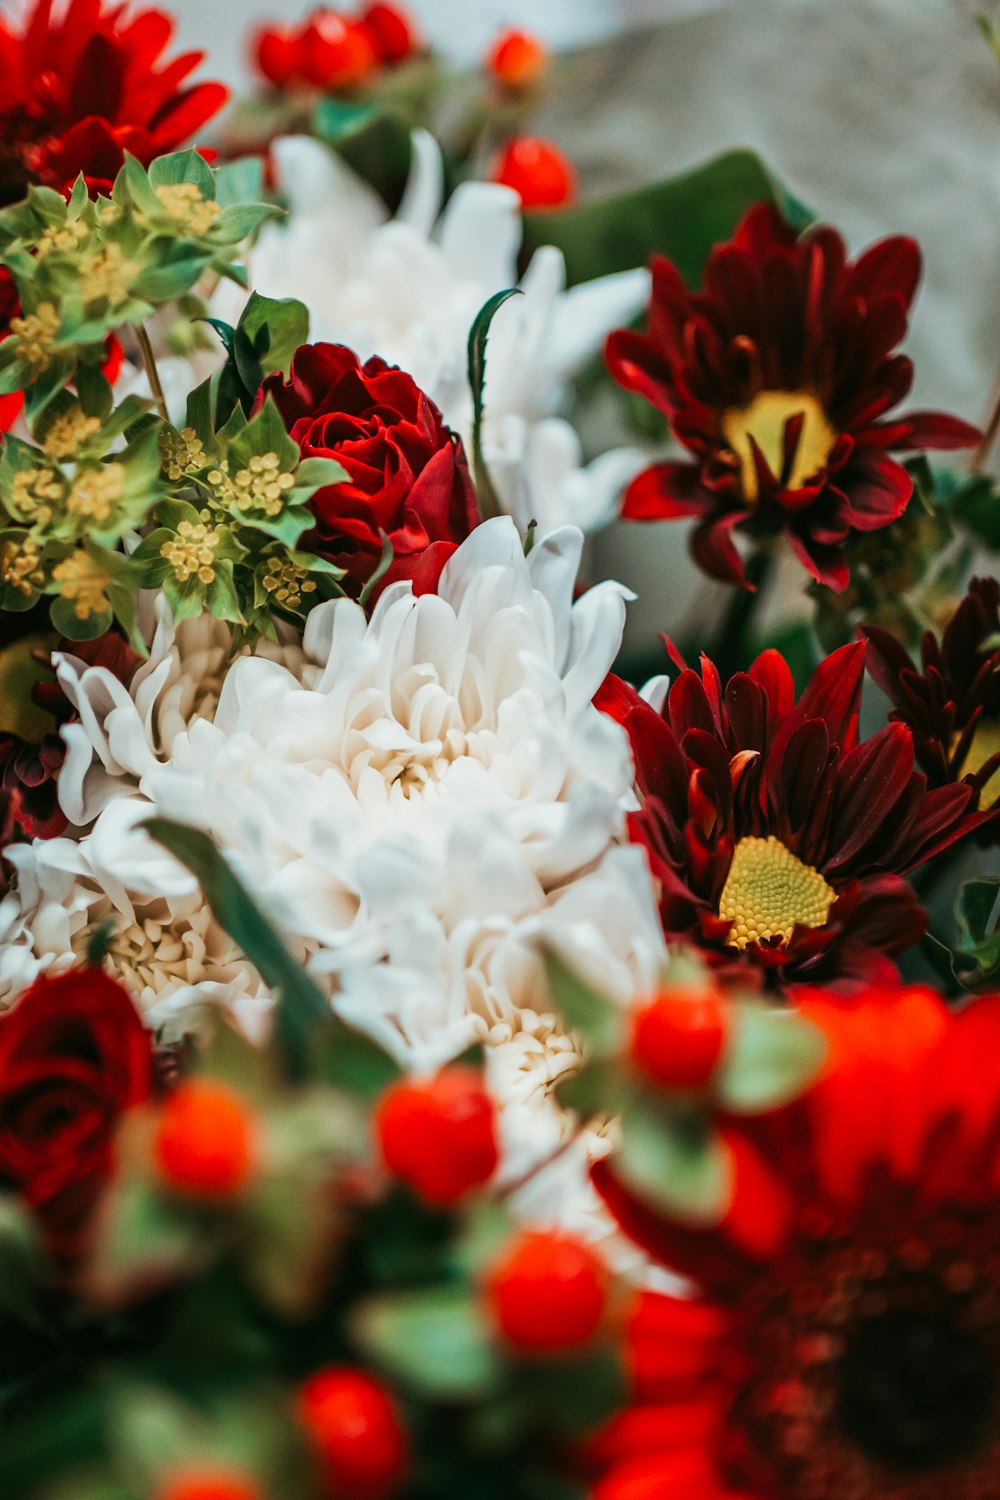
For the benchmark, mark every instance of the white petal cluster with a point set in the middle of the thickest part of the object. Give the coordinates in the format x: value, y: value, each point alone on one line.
x: 408, y: 289
x: 421, y: 801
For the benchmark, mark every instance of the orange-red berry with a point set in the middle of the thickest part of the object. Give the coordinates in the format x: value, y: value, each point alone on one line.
x: 392, y: 31
x: 208, y: 1482
x: 355, y: 1432
x: 538, y: 171
x: 548, y: 1293
x: 677, y: 1036
x: 439, y: 1136
x: 334, y: 52
x: 518, y: 59
x: 273, y: 49
x: 205, y: 1140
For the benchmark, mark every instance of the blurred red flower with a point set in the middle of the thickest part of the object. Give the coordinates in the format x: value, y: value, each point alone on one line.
x: 83, y: 83
x: 841, y: 1337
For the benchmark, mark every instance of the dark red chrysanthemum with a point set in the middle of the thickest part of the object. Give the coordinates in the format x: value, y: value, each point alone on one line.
x: 951, y: 704
x: 779, y: 841
x: 29, y: 769
x: 82, y: 83
x: 778, y: 378
x: 842, y: 1337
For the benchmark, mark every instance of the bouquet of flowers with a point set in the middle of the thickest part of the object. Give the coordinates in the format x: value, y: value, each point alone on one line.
x: 435, y: 1060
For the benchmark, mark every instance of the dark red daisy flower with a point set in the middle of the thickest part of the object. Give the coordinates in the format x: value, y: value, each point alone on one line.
x: 842, y: 1337
x: 952, y: 703
x: 778, y: 378
x: 82, y: 83
x: 29, y: 768
x: 779, y: 841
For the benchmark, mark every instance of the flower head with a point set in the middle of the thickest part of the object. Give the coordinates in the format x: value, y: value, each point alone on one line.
x: 408, y: 477
x: 779, y: 840
x: 779, y: 377
x: 407, y: 289
x: 952, y: 703
x: 82, y: 84
x: 842, y: 1336
x: 73, y: 1056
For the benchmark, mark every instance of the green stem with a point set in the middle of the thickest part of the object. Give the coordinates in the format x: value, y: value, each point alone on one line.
x: 733, y: 643
x: 152, y: 373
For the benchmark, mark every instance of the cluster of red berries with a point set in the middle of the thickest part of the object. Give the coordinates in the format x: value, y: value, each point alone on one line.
x: 334, y: 51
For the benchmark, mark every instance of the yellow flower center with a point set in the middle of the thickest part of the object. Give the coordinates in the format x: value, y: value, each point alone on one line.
x: 768, y: 890
x: 261, y: 486
x: 764, y: 420
x: 69, y: 432
x: 35, y: 493
x: 180, y: 452
x: 34, y: 334
x: 192, y: 552
x: 286, y: 582
x: 84, y: 582
x: 20, y: 565
x: 183, y: 202
x: 96, y: 491
x: 985, y: 742
x: 107, y: 276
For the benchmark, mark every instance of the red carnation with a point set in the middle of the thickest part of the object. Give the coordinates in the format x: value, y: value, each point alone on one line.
x: 408, y: 475
x: 778, y: 378
x: 79, y: 90
x: 840, y: 1331
x: 73, y: 1055
x: 779, y: 841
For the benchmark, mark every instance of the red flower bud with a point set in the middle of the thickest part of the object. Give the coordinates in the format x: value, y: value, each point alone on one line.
x: 439, y: 1136
x: 335, y: 53
x: 548, y: 1293
x: 678, y: 1035
x: 205, y: 1143
x: 273, y: 51
x: 538, y: 171
x: 518, y: 59
x: 355, y: 1431
x: 392, y: 32
x: 210, y: 1483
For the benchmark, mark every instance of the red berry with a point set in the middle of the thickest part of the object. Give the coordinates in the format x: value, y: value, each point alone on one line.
x: 518, y: 59
x: 392, y: 31
x: 10, y: 409
x: 210, y: 1483
x: 204, y: 1143
x: 273, y: 49
x: 677, y: 1037
x: 548, y: 1293
x: 355, y: 1431
x: 537, y: 170
x: 335, y: 53
x: 439, y: 1136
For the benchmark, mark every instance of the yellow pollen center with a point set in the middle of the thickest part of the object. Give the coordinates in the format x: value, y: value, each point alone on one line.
x: 764, y: 420
x: 985, y: 742
x: 768, y: 890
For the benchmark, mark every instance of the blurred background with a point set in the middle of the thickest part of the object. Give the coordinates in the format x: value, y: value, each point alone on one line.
x: 882, y: 115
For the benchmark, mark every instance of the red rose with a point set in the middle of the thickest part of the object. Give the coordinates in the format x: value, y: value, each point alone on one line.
x: 408, y: 473
x: 73, y: 1055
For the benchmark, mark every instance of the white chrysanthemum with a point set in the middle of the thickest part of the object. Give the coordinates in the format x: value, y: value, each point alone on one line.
x: 161, y: 940
x: 409, y: 288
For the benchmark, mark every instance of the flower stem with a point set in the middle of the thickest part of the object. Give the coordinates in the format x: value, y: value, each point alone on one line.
x: 992, y: 428
x: 733, y: 641
x: 152, y: 374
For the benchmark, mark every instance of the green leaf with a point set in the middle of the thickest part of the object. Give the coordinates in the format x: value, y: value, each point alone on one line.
x: 238, y: 182
x: 771, y: 1056
x: 675, y: 1163
x: 376, y: 146
x: 183, y: 166
x: 142, y: 1244
x: 302, y: 1009
x: 681, y: 218
x: 974, y: 909
x: 20, y: 1254
x: 583, y: 1008
x: 435, y: 1340
x: 272, y: 331
x: 479, y: 333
